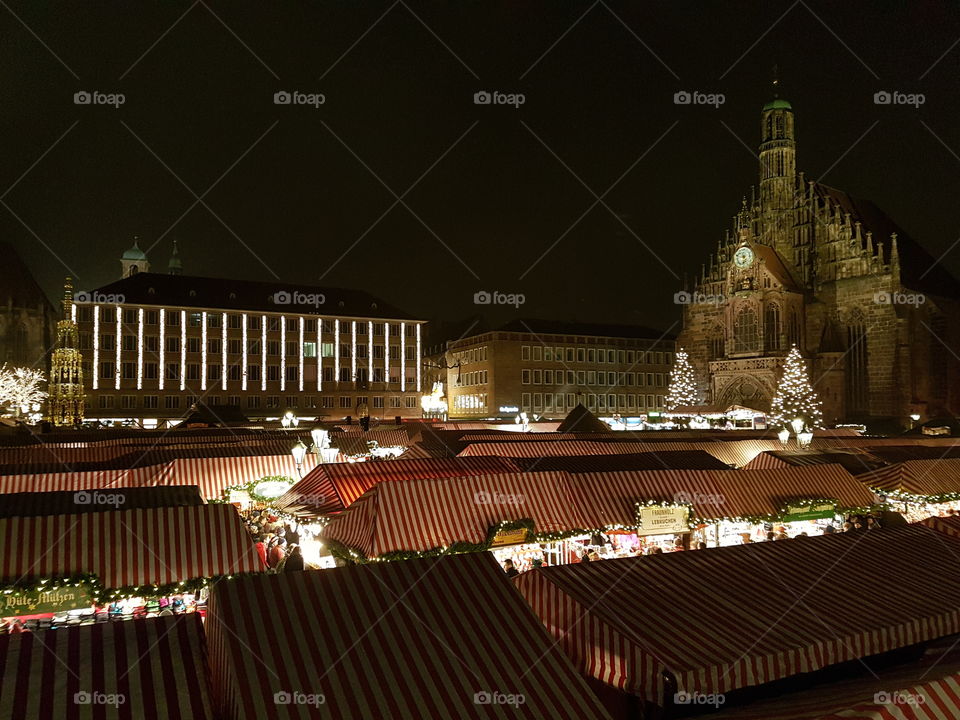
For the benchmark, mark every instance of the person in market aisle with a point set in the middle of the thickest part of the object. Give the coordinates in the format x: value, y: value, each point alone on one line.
x: 291, y: 535
x: 261, y: 548
x: 277, y: 552
x: 873, y: 523
x: 510, y: 569
x: 293, y: 562
x: 585, y: 557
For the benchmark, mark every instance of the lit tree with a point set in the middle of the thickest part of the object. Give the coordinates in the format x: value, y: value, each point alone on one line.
x: 795, y: 397
x: 683, y: 383
x: 20, y: 389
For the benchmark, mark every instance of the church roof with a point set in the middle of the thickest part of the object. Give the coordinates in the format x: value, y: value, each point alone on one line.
x: 272, y: 297
x: 919, y: 270
x: 17, y: 284
x: 582, y: 420
x: 774, y: 265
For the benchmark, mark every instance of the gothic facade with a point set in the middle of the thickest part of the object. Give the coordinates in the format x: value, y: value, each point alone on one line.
x: 875, y: 316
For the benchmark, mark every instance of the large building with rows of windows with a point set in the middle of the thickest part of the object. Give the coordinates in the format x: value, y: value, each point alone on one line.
x: 546, y: 368
x: 154, y: 345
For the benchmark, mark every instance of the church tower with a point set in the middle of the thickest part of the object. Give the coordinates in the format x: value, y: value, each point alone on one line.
x: 134, y: 261
x: 175, y: 267
x: 778, y: 172
x: 65, y: 389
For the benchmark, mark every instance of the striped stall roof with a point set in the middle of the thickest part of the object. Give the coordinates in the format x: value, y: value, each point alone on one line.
x: 740, y: 637
x: 767, y: 460
x: 88, y: 480
x: 414, y: 640
x: 419, y: 515
x: 386, y: 438
x: 66, y: 502
x: 949, y: 525
x: 610, y: 497
x: 129, y: 547
x: 941, y: 700
x: 916, y: 477
x: 214, y: 475
x: 331, y: 487
x: 566, y: 448
x: 665, y: 459
x: 156, y: 666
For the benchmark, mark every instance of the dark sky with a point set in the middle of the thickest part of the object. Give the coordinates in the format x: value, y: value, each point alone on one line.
x: 289, y: 198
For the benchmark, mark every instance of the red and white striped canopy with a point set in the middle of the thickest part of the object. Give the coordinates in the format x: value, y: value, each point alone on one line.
x: 420, y: 515
x: 86, y: 480
x: 610, y: 497
x: 415, y: 640
x: 662, y: 460
x: 940, y: 700
x: 948, y: 525
x: 214, y: 475
x: 331, y: 487
x: 129, y: 547
x: 916, y: 477
x: 156, y: 666
x: 772, y: 610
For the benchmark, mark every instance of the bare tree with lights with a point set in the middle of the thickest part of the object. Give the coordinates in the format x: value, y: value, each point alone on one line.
x: 795, y: 397
x: 20, y: 390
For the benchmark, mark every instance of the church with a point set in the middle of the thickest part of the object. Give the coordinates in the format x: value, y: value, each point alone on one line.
x: 874, y: 315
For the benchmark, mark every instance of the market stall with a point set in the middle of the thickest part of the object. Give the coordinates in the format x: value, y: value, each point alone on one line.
x: 460, y: 644
x: 153, y: 668
x: 58, y: 570
x: 669, y: 640
x: 918, y: 489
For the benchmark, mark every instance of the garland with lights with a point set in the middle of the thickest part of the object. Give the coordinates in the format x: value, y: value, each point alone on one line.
x: 105, y: 596
x: 249, y: 486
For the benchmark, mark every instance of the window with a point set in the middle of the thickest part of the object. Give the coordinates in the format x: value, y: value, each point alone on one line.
x: 128, y: 370
x: 253, y: 402
x: 253, y: 323
x: 273, y: 401
x: 107, y: 342
x: 173, y: 371
x: 581, y: 377
x: 745, y: 332
x: 394, y: 401
x: 150, y: 371
x: 195, y: 319
x: 253, y: 373
x: 273, y: 347
x: 537, y: 353
x: 345, y: 402
x: 327, y: 349
x: 570, y: 355
x: 129, y: 343
x: 548, y: 354
x: 171, y: 402
x: 273, y: 325
x: 378, y: 401
x: 150, y: 402
x: 344, y: 374
x: 292, y: 401
x: 236, y: 373
x: 525, y: 401
x: 234, y: 346
x: 213, y: 346
x: 310, y: 349
x: 410, y: 402
x: 571, y: 377
x: 293, y: 373
x: 106, y: 402
x: 128, y: 402
x: 571, y: 400
x: 193, y: 371
x: 558, y: 401
x: 611, y: 356
x: 537, y: 401
x: 591, y: 355
x: 129, y: 316
x: 548, y: 377
x: 234, y: 323
x: 328, y: 374
x: 273, y: 373
x: 193, y: 344
x: 772, y: 328
x: 537, y: 377
x: 328, y: 401
x: 151, y: 343
x: 601, y: 356
x: 213, y: 372
x: 591, y: 377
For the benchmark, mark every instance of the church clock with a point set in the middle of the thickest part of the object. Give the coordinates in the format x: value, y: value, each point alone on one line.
x: 743, y: 257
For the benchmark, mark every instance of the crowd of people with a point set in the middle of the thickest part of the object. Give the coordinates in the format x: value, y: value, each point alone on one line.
x: 277, y: 543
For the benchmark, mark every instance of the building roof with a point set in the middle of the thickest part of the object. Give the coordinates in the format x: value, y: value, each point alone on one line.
x: 778, y: 104
x: 774, y: 265
x: 919, y: 270
x: 17, y: 284
x: 134, y: 253
x: 560, y: 327
x: 582, y: 420
x: 260, y: 296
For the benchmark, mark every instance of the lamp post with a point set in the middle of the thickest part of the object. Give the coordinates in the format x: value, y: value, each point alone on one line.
x: 784, y: 436
x: 321, y: 439
x: 805, y: 438
x: 299, y: 451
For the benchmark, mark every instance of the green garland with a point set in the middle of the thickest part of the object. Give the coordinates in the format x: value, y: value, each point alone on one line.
x: 105, y: 596
x: 249, y: 486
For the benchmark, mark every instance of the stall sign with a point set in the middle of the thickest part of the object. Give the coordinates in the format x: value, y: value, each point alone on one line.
x: 513, y: 536
x: 271, y: 488
x: 657, y: 520
x: 37, y: 602
x: 810, y: 512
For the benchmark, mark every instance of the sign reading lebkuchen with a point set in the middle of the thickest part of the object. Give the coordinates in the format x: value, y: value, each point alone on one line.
x: 810, y: 512
x: 656, y: 520
x: 515, y: 536
x: 38, y: 602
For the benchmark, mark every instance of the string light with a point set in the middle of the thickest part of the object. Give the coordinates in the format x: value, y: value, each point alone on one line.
x: 336, y: 350
x: 370, y: 350
x: 403, y: 356
x: 263, y: 353
x: 301, y: 353
x: 183, y: 349
x: 418, y: 357
x: 319, y: 354
x: 683, y: 383
x: 203, y: 351
x: 96, y: 347
x: 386, y: 352
x: 140, y: 349
x: 795, y: 397
x: 119, y: 344
x: 283, y: 353
x: 353, y: 350
x: 223, y: 351
x: 161, y: 376
x: 243, y: 354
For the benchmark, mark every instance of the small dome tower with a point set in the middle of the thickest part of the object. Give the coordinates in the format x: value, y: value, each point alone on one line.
x: 134, y: 260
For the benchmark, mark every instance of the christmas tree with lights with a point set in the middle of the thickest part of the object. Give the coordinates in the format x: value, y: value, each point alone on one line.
x: 795, y: 397
x: 683, y: 384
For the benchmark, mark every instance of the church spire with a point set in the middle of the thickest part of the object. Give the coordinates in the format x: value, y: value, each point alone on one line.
x: 175, y: 267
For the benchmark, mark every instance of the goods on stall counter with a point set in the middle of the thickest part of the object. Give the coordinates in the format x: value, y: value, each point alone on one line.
x: 128, y: 609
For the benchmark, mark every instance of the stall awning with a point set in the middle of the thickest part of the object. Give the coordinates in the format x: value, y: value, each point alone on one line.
x: 65, y: 502
x: 331, y: 487
x: 214, y: 475
x: 128, y: 547
x: 157, y: 666
x: 412, y: 640
x: 662, y: 460
x: 87, y: 480
x: 927, y: 478
x: 947, y: 525
x: 735, y: 636
x: 421, y: 515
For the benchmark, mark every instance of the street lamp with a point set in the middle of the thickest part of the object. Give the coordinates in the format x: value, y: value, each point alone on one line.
x: 299, y: 451
x: 797, y: 425
x: 784, y: 436
x: 321, y: 439
x: 805, y: 438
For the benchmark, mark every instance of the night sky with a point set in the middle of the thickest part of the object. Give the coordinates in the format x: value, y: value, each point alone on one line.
x: 295, y: 190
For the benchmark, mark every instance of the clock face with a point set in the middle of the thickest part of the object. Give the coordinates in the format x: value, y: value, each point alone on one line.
x: 743, y: 258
